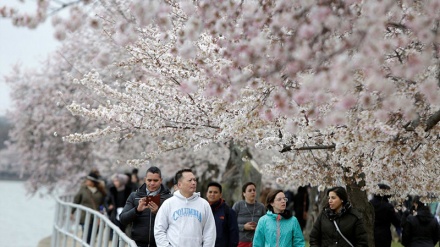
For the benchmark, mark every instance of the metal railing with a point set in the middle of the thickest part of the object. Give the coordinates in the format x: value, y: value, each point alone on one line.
x: 67, y: 228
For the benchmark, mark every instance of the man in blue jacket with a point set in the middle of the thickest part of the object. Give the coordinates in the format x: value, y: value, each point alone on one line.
x: 225, y: 217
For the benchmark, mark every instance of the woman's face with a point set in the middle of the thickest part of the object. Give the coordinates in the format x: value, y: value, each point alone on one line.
x: 334, y: 201
x: 250, y: 193
x: 90, y: 183
x: 116, y: 183
x: 279, y: 203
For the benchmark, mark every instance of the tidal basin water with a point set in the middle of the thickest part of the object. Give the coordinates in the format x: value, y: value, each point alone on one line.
x: 24, y: 220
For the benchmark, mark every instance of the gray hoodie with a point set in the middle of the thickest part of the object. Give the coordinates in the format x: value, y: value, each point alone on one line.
x: 183, y: 221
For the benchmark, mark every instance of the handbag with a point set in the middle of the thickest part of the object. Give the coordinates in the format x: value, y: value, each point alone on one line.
x: 342, y: 235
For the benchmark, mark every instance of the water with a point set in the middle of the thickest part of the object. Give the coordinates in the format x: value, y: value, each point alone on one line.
x: 24, y: 220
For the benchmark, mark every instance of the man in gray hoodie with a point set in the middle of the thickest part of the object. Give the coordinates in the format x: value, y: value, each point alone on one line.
x: 185, y: 219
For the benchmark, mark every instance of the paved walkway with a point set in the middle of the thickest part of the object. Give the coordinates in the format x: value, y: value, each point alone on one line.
x: 45, y: 242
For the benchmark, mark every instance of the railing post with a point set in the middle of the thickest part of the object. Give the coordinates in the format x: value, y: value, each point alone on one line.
x: 101, y: 227
x: 94, y: 230
x: 77, y: 224
x: 54, y: 239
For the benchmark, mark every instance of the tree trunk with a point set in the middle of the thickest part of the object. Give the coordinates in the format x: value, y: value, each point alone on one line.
x: 239, y: 171
x: 315, y: 207
x: 359, y: 200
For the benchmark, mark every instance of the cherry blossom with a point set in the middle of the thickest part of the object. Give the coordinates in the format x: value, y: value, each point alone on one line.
x: 344, y: 92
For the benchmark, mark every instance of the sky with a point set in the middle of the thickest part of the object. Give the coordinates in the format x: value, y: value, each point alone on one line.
x: 21, y: 45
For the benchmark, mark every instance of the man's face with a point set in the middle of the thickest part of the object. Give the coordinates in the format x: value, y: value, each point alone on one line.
x: 153, y: 181
x: 187, y: 184
x: 213, y: 194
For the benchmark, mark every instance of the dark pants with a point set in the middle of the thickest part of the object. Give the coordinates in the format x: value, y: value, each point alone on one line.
x: 145, y: 245
x: 119, y: 224
x: 89, y: 233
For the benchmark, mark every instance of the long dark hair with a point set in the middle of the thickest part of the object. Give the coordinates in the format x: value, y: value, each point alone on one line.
x: 243, y: 188
x: 340, y: 192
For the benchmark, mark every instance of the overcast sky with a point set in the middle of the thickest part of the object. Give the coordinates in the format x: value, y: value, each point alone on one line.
x: 22, y: 45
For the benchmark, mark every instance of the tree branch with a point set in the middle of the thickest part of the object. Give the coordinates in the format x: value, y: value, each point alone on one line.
x: 289, y: 148
x: 432, y: 121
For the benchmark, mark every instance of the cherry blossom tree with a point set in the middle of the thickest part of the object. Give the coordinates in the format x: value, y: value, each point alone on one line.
x: 346, y: 86
x: 41, y: 118
x: 347, y: 92
x: 30, y: 14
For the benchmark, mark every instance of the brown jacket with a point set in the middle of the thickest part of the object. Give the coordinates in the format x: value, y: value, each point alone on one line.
x: 86, y: 198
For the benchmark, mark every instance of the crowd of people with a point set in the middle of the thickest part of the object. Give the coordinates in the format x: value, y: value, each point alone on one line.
x: 154, y: 215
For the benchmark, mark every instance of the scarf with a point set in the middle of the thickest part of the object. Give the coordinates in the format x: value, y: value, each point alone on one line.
x: 152, y: 193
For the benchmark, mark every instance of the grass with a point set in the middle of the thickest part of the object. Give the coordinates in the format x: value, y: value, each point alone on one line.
x: 393, y: 244
x: 397, y: 244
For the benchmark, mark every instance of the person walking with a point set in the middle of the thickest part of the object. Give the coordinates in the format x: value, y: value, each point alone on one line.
x: 248, y: 212
x: 384, y: 216
x: 339, y: 224
x: 224, y: 216
x: 119, y: 192
x: 420, y: 229
x: 141, y: 213
x: 185, y: 219
x: 278, y: 227
x: 134, y: 179
x: 301, y: 205
x: 91, y: 194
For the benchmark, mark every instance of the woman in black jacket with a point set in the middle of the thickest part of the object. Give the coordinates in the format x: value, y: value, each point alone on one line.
x: 421, y: 229
x: 118, y: 195
x: 351, y: 231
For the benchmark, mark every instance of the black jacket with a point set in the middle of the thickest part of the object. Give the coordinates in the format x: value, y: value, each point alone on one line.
x: 349, y: 220
x: 117, y: 199
x: 421, y: 230
x: 384, y: 216
x: 142, y: 231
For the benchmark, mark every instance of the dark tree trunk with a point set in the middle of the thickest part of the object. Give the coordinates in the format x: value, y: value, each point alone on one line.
x: 315, y: 207
x: 239, y: 171
x: 359, y: 199
x: 210, y: 173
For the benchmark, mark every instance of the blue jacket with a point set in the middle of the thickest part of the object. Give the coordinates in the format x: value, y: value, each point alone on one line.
x: 283, y: 232
x: 225, y: 224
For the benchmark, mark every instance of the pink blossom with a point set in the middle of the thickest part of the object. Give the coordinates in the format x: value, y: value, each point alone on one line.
x: 431, y: 90
x: 267, y: 114
x: 306, y: 31
x: 346, y: 103
x: 189, y: 86
x: 301, y: 97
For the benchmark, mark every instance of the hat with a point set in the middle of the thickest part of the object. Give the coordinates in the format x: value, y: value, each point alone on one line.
x: 122, y: 178
x: 383, y: 187
x: 93, y: 177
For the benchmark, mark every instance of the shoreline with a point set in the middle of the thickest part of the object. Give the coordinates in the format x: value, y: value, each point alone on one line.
x: 45, y: 242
